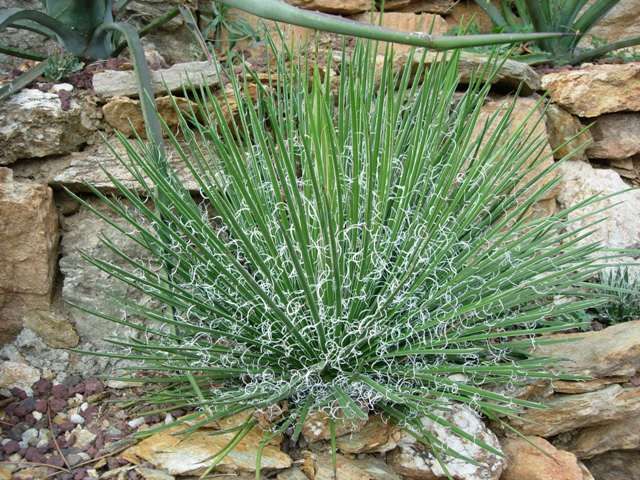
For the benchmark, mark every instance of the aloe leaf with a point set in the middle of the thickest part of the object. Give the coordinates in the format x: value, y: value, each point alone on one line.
x: 492, y: 12
x: 154, y: 130
x: 18, y: 52
x: 73, y: 41
x: 593, y: 15
x: 280, y: 11
x: 23, y: 80
x: 603, y: 50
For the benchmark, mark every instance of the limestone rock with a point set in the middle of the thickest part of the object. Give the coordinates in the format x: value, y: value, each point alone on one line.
x: 55, y: 330
x: 466, y: 11
x: 611, y: 352
x: 618, y: 435
x: 86, y: 168
x: 616, y: 136
x: 85, y: 284
x: 20, y: 375
x: 368, y: 468
x: 334, y: 6
x: 521, y: 114
x: 510, y: 75
x: 573, y: 387
x: 566, y: 134
x: 413, y: 460
x: 593, y: 90
x: 564, y: 413
x: 192, y: 454
x: 125, y: 115
x: 420, y: 6
x: 616, y: 465
x: 619, y: 23
x: 377, y: 436
x: 621, y: 228
x: 316, y: 426
x: 116, y: 83
x: 35, y: 124
x: 28, y: 242
x: 540, y: 461
x: 405, y: 22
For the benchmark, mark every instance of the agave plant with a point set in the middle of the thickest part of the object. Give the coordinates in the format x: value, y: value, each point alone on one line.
x: 359, y: 244
x: 575, y: 17
x: 623, y: 289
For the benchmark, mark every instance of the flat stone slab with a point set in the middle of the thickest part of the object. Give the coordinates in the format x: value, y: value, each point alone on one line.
x: 114, y: 83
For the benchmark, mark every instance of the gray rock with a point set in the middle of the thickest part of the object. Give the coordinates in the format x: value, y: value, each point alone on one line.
x: 30, y: 348
x: 617, y: 435
x: 621, y: 225
x: 18, y: 375
x: 116, y: 83
x: 564, y: 413
x: 413, y: 460
x: 86, y: 285
x: 616, y: 136
x: 89, y: 166
x: 34, y: 124
x: 616, y: 465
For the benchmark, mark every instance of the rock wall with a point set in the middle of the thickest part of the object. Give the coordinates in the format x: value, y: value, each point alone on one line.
x: 51, y: 139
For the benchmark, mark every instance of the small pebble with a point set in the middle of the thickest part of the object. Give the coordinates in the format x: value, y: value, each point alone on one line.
x: 136, y: 422
x: 168, y: 419
x: 60, y: 391
x: 37, y: 415
x: 77, y: 419
x: 18, y: 393
x: 42, y: 387
x: 84, y: 406
x: 57, y: 405
x: 30, y: 437
x: 41, y: 406
x: 11, y: 447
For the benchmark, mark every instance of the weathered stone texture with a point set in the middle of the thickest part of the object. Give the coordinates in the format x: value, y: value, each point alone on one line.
x: 28, y: 242
x: 534, y: 458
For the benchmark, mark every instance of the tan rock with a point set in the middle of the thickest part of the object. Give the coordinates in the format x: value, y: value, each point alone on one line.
x: 593, y: 90
x: 618, y: 435
x: 292, y: 474
x: 316, y: 426
x: 540, y: 461
x: 564, y: 413
x: 405, y: 22
x: 153, y: 474
x: 616, y: 136
x: 35, y: 124
x: 525, y: 112
x: 377, y: 436
x: 28, y: 242
x: 611, y: 352
x: 20, y: 375
x: 333, y: 6
x: 86, y: 168
x: 510, y: 75
x: 465, y: 11
x: 123, y: 83
x: 619, y: 23
x: 616, y: 465
x: 565, y: 386
x: 125, y: 115
x: 413, y: 460
x: 420, y: 6
x: 53, y: 328
x: 367, y: 468
x: 620, y: 227
x: 193, y: 454
x: 567, y: 136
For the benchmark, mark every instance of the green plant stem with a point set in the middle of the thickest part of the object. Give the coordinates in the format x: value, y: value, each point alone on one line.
x: 600, y: 51
x: 17, y: 52
x: 280, y: 11
x: 23, y: 80
x: 158, y: 22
